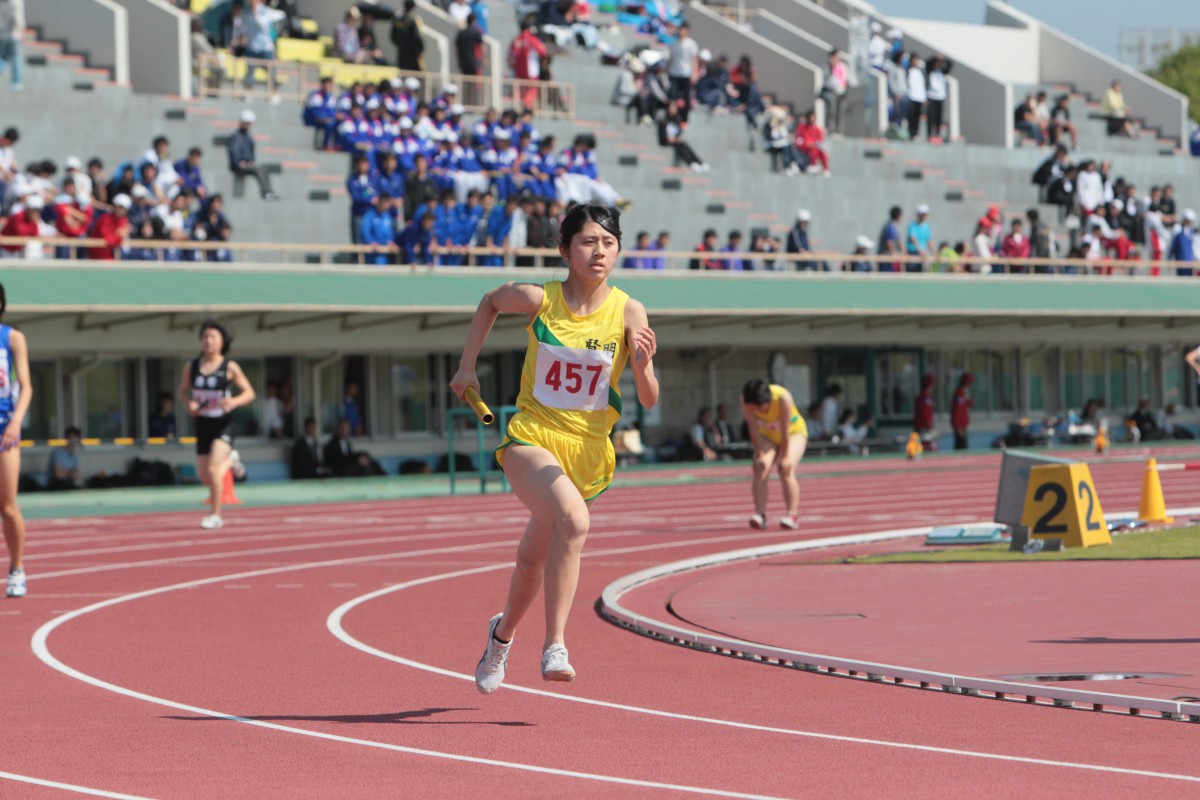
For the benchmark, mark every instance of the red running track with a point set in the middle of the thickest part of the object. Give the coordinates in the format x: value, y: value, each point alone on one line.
x: 327, y: 651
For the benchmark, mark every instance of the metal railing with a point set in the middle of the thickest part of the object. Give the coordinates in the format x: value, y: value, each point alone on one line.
x: 223, y: 75
x: 674, y: 261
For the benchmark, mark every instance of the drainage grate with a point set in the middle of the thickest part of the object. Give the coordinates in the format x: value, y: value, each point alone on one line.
x: 1061, y: 677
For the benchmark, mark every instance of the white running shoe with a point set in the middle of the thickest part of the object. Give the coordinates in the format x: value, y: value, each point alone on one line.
x: 236, y: 466
x: 16, y: 583
x: 211, y: 522
x: 758, y: 521
x: 788, y: 523
x: 555, y: 666
x: 489, y: 672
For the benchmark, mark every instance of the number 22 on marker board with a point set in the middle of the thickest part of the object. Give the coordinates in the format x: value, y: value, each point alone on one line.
x: 1061, y: 502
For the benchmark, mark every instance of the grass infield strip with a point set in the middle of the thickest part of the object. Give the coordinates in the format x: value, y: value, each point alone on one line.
x: 1170, y: 543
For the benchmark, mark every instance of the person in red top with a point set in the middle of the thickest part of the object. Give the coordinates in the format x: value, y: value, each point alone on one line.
x: 73, y: 220
x: 113, y: 228
x: 525, y: 56
x: 810, y: 140
x: 960, y: 411
x: 709, y: 245
x: 1016, y: 246
x: 923, y: 411
x: 26, y: 223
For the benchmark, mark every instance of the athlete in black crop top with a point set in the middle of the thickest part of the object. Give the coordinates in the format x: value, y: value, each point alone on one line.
x: 206, y: 388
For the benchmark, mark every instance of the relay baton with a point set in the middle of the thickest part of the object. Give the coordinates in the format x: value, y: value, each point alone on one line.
x: 478, y: 406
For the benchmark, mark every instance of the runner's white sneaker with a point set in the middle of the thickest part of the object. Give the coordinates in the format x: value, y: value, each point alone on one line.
x: 788, y: 523
x: 16, y: 583
x: 236, y: 466
x: 758, y: 521
x: 555, y: 666
x: 211, y: 522
x: 489, y: 672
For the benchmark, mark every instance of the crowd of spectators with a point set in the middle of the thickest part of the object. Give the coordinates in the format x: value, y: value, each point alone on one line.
x: 425, y: 183
x: 151, y: 199
x: 1113, y: 219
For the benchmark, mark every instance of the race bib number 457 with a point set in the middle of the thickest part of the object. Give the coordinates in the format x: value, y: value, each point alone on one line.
x: 572, y: 379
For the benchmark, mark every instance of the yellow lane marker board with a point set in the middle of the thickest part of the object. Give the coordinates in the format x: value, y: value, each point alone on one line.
x: 1061, y: 503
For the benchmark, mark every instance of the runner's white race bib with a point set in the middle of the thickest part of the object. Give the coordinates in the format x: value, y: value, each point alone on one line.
x: 572, y: 379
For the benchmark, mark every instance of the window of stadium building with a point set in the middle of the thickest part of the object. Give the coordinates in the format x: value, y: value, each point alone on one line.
x: 410, y: 393
x: 106, y: 398
x: 44, y: 419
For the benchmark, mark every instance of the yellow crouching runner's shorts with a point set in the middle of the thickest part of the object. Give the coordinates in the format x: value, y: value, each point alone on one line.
x: 589, y: 463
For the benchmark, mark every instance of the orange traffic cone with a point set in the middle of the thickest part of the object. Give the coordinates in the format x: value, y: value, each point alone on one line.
x: 1152, y: 507
x: 914, y: 448
x: 228, y: 498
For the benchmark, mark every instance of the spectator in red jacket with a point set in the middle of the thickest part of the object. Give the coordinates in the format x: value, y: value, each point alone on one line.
x: 709, y: 245
x: 525, y: 56
x: 26, y: 223
x: 1016, y: 246
x: 72, y: 216
x: 810, y: 141
x: 113, y: 228
x: 960, y: 411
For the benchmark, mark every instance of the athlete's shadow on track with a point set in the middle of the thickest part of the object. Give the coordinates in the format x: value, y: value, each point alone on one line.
x: 418, y: 717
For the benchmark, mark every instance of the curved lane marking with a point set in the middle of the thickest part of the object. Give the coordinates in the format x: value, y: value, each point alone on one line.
x: 70, y: 787
x: 334, y: 623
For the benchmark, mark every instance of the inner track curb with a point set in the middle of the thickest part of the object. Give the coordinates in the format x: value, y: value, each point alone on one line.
x: 611, y: 609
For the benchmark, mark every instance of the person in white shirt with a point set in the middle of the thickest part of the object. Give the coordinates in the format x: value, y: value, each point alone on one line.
x: 937, y: 92
x: 683, y: 66
x: 916, y: 95
x: 981, y: 247
x: 829, y: 407
x: 458, y: 10
x: 73, y: 168
x: 1089, y: 188
x: 878, y: 48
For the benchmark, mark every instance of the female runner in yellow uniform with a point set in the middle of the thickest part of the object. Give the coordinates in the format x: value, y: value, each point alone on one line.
x: 557, y: 454
x: 779, y: 436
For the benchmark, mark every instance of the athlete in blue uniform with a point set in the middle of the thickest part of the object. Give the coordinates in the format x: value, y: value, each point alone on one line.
x: 15, y: 394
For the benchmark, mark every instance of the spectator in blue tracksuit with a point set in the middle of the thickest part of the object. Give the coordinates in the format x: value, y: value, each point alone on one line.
x: 467, y: 216
x: 363, y: 190
x: 445, y: 219
x: 407, y: 147
x: 1195, y: 141
x: 320, y: 113
x: 540, y: 167
x: 642, y: 242
x: 378, y: 228
x: 188, y: 170
x: 500, y: 223
x: 500, y: 161
x: 416, y: 241
x: 1183, y: 246
x: 660, y: 245
x: 353, y: 132
x: 389, y: 179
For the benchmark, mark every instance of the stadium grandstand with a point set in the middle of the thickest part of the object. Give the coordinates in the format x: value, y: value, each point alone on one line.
x: 830, y: 198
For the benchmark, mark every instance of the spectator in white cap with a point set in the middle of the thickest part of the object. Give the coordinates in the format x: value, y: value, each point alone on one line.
x: 877, y: 50
x: 919, y: 239
x: 862, y: 247
x: 797, y: 240
x: 113, y: 228
x: 242, y: 162
x: 73, y: 168
x: 1183, y: 246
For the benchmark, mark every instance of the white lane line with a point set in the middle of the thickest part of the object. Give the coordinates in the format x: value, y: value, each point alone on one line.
x: 42, y: 651
x: 334, y: 623
x: 70, y: 787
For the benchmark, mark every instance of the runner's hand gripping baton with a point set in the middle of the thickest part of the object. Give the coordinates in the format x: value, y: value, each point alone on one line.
x: 478, y: 406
